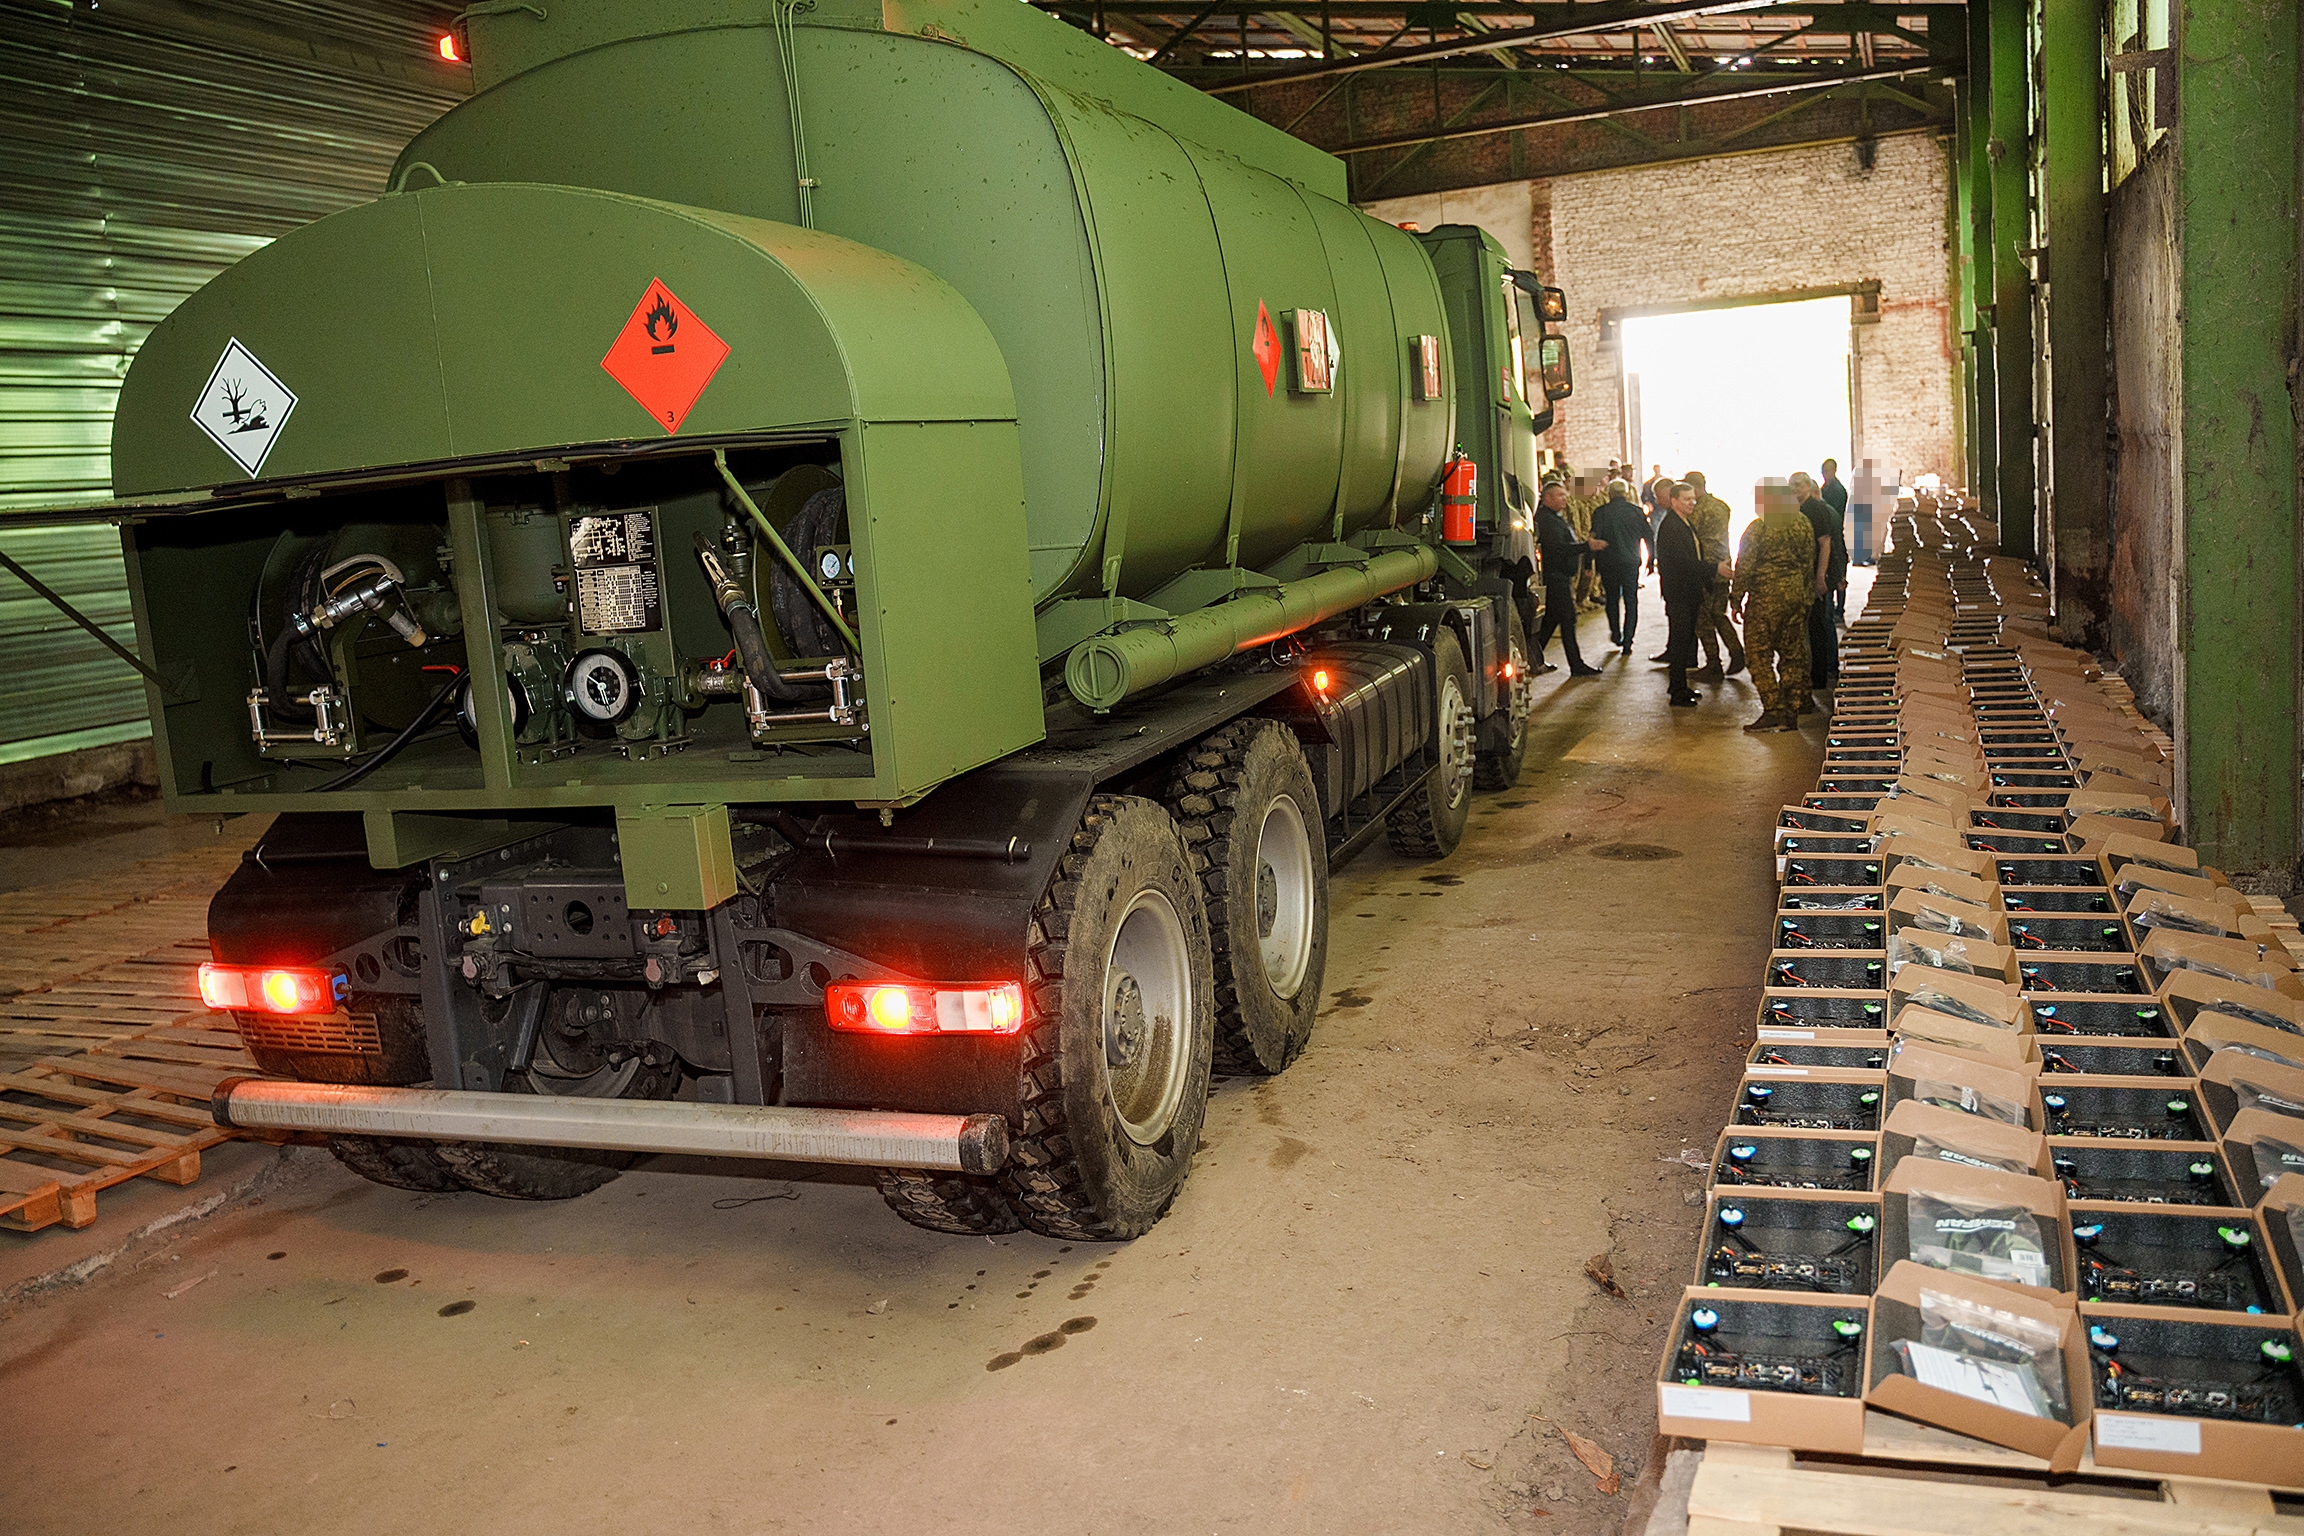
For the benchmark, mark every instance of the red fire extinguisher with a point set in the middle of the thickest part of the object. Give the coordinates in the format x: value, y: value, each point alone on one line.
x: 1459, y: 494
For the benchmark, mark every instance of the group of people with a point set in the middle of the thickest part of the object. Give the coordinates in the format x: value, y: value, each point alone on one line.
x: 1786, y: 585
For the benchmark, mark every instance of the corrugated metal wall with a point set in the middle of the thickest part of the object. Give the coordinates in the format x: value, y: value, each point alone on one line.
x: 148, y: 145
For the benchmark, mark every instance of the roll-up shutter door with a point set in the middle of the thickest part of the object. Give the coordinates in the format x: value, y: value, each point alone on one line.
x: 150, y: 144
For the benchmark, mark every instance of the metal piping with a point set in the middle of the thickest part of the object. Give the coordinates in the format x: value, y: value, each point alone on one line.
x: 1105, y: 669
x: 870, y: 1138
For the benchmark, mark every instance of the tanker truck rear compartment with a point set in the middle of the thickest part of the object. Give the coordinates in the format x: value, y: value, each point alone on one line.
x: 807, y: 775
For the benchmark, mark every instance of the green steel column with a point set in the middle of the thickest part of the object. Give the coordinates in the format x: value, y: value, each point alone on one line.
x: 1963, y: 250
x: 2008, y: 151
x: 2072, y: 192
x: 2236, y: 677
x: 1976, y: 120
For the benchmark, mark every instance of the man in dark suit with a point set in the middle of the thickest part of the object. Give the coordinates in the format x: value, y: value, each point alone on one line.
x: 1835, y: 494
x: 1685, y: 576
x: 1563, y: 554
x: 1619, y: 531
x: 1823, y: 635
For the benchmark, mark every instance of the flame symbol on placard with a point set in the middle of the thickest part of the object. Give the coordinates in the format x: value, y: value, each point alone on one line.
x: 662, y: 312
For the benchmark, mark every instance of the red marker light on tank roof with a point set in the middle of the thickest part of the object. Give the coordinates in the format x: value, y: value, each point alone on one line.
x: 890, y: 1008
x: 1321, y: 680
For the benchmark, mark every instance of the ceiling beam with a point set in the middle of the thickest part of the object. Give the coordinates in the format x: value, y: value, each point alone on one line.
x: 1684, y: 96
x: 1527, y: 12
x: 1606, y: 17
x: 1674, y: 49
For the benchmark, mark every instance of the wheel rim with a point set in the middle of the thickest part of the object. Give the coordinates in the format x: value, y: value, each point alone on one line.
x: 1147, y: 1017
x: 1284, y: 896
x: 1455, y: 742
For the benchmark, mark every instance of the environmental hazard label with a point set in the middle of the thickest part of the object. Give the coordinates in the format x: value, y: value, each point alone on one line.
x: 243, y: 407
x: 664, y: 356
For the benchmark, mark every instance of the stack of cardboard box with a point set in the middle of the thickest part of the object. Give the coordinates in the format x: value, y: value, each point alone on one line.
x: 2019, y: 1149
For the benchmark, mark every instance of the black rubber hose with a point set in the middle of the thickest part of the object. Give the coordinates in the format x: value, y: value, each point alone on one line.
x: 817, y: 522
x: 752, y: 648
x: 408, y: 733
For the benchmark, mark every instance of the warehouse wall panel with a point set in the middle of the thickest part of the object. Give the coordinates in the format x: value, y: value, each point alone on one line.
x: 151, y: 144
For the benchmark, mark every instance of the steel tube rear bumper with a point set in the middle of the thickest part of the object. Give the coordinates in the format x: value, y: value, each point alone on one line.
x: 872, y: 1138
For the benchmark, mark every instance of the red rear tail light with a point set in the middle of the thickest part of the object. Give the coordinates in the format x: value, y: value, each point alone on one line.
x: 273, y: 988
x: 887, y: 1008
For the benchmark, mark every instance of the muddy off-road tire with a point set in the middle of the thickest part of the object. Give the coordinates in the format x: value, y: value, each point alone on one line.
x: 947, y: 1202
x: 1120, y: 1026
x: 402, y: 1164
x: 1431, y: 824
x: 1501, y: 769
x: 1243, y: 798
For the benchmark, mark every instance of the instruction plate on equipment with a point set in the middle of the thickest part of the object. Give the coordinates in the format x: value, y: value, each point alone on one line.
x: 618, y: 591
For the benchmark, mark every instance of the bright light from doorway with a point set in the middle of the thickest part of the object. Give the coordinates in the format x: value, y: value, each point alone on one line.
x: 1757, y: 390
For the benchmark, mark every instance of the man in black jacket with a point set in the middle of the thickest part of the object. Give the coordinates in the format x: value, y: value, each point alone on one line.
x: 1835, y: 494
x: 1619, y: 530
x: 1562, y: 553
x: 1823, y: 634
x: 1684, y: 575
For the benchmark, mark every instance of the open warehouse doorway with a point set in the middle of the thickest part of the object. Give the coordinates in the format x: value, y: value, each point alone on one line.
x: 1739, y: 392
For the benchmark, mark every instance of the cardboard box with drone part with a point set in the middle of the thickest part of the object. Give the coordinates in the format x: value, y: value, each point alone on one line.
x: 2000, y: 1363
x: 1996, y: 1043
x: 2148, y: 909
x: 1919, y: 908
x: 1827, y: 969
x: 2256, y: 963
x: 1908, y: 817
x: 1931, y: 1134
x: 2155, y: 1175
x: 2108, y: 800
x: 2187, y: 994
x: 1854, y: 1050
x: 2124, y: 1109
x: 2090, y: 833
x: 1947, y: 952
x: 1803, y: 818
x: 2189, y: 1258
x: 1808, y: 1099
x: 1819, y: 1241
x: 2281, y: 1219
x: 2140, y: 877
x: 2212, y: 1032
x: 1799, y: 928
x: 1942, y: 882
x: 2206, y: 1353
x: 1817, y: 1009
x: 1984, y: 1222
x: 1961, y: 994
x: 1754, y: 1335
x: 2234, y: 1081
x: 1965, y: 1081
x: 1758, y: 1157
x: 2117, y: 853
x: 2115, y: 765
x: 1937, y: 850
x: 2262, y: 1148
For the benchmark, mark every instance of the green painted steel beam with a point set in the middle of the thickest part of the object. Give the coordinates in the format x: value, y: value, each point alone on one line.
x: 2237, y: 612
x: 2009, y: 151
x: 1976, y: 101
x: 1960, y: 252
x: 2079, y: 504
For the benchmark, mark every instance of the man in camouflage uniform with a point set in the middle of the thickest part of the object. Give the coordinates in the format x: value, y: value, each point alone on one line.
x: 1713, y: 631
x: 1582, y: 502
x: 1776, y: 570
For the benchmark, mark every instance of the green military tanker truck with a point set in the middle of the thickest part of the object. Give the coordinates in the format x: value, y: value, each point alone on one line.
x: 822, y: 581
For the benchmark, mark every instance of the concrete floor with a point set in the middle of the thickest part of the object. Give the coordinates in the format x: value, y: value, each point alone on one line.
x: 1368, y: 1312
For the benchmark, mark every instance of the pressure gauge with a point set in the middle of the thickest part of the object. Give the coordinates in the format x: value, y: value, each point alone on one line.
x: 515, y: 708
x: 828, y: 564
x: 603, y: 686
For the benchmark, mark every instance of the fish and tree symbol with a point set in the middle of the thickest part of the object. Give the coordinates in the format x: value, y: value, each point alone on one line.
x: 244, y: 417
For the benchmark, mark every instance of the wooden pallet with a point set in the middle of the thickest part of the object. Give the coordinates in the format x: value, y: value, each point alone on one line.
x: 137, y: 1106
x: 1918, y: 1481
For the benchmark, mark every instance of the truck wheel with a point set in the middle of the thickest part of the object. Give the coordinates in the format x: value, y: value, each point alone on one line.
x: 402, y: 1164
x: 947, y: 1202
x: 1501, y: 770
x: 1245, y: 803
x: 569, y: 1066
x: 1121, y: 1025
x: 1431, y: 824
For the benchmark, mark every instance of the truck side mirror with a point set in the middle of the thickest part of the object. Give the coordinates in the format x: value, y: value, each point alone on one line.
x: 1552, y: 304
x: 1559, y: 372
